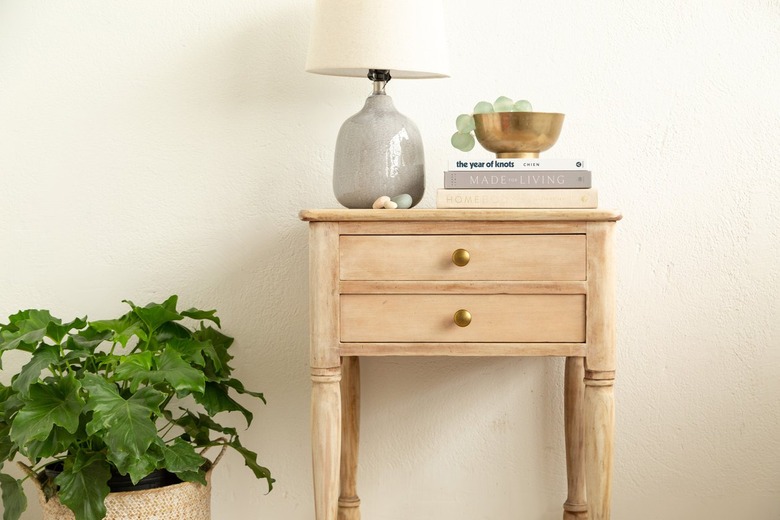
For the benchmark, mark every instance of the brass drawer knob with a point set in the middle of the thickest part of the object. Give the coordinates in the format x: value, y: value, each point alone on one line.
x: 462, y: 318
x: 460, y: 257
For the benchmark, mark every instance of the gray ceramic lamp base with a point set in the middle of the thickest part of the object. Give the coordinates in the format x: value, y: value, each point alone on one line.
x: 379, y: 152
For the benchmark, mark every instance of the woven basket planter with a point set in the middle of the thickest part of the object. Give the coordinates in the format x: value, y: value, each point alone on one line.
x: 184, y: 501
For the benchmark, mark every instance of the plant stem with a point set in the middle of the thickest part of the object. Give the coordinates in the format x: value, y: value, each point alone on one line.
x: 44, y: 464
x: 170, y: 426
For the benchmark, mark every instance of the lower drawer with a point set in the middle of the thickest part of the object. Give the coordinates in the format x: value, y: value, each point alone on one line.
x: 524, y: 318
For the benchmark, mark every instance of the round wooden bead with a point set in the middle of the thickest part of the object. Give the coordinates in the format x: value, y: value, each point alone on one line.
x: 380, y: 202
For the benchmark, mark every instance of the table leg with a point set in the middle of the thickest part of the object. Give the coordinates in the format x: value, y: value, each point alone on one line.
x: 575, y: 507
x: 326, y: 440
x: 599, y: 427
x: 349, y: 503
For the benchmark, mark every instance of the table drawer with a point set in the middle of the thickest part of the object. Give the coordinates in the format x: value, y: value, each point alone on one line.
x: 525, y: 318
x: 491, y: 257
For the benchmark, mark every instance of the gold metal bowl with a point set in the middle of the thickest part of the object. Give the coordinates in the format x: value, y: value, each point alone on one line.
x: 518, y: 134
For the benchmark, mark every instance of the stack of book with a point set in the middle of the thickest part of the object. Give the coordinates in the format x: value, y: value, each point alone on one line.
x: 517, y: 183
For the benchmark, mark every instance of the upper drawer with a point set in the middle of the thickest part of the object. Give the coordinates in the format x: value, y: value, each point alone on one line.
x: 490, y: 257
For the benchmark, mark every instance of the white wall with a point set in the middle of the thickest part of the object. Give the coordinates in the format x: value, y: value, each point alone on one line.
x: 150, y: 148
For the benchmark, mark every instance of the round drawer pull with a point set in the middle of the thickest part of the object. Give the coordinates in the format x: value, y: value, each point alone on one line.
x: 460, y: 257
x: 462, y: 318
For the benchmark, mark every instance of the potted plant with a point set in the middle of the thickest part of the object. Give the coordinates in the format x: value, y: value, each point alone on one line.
x: 99, y: 400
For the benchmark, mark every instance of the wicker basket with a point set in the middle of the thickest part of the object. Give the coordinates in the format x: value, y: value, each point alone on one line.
x: 185, y: 501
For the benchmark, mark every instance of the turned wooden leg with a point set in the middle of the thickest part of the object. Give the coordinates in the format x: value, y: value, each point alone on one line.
x: 599, y: 401
x: 349, y: 503
x: 575, y: 507
x: 326, y: 440
x: 599, y: 425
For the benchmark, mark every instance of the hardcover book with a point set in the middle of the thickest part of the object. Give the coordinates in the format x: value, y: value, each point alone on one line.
x: 530, y: 199
x: 522, y: 164
x: 543, y: 179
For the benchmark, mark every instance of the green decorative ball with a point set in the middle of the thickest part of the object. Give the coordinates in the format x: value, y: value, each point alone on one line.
x: 503, y: 104
x: 483, y: 107
x: 465, y: 123
x: 463, y: 142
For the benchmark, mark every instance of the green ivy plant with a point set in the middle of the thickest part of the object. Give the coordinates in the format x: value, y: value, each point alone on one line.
x: 127, y: 395
x: 463, y: 138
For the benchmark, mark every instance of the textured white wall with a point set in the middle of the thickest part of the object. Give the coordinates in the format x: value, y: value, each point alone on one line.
x: 150, y: 148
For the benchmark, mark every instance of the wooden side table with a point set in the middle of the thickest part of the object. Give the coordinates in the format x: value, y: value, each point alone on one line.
x: 462, y: 283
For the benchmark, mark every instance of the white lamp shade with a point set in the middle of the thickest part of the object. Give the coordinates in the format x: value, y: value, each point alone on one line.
x: 406, y: 37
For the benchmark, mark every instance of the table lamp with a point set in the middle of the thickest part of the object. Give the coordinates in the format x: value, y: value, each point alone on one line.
x: 378, y: 150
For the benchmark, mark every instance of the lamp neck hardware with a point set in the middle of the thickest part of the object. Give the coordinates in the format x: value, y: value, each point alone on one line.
x: 380, y: 77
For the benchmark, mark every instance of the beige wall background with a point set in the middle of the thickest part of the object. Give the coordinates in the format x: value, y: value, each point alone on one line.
x: 150, y: 148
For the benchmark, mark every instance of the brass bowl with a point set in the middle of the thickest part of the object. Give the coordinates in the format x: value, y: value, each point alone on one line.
x: 517, y: 134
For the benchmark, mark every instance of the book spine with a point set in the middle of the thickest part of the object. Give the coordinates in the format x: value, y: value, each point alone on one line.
x: 517, y: 180
x: 530, y: 199
x: 522, y: 164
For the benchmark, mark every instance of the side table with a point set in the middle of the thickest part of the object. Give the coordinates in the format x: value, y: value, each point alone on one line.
x: 441, y: 282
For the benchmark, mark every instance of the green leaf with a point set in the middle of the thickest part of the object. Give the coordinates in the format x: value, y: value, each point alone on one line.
x: 198, y: 427
x: 193, y: 428
x: 127, y: 425
x: 179, y: 374
x: 84, y: 485
x: 156, y: 314
x: 89, y: 338
x: 197, y: 314
x: 43, y: 357
x: 14, y: 500
x: 216, y: 399
x: 136, y: 467
x: 168, y: 367
x: 8, y: 448
x: 181, y: 457
x: 138, y: 362
x: 213, y: 367
x: 218, y: 368
x: 9, y: 402
x: 172, y: 331
x: 57, y: 331
x: 58, y: 441
x: 238, y: 386
x: 48, y: 405
x: 123, y: 329
x: 136, y: 368
x: 250, y: 459
x: 208, y: 422
x: 190, y: 350
x: 192, y: 476
x: 220, y: 341
x: 25, y: 330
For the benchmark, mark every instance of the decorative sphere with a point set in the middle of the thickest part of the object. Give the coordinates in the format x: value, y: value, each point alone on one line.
x: 483, y: 107
x: 463, y: 142
x: 503, y: 104
x: 465, y: 123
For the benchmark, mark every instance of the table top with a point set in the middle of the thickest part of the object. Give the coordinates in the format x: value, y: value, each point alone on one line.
x: 455, y: 215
